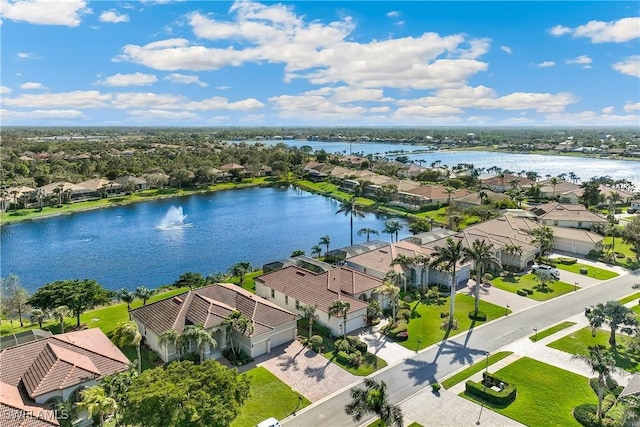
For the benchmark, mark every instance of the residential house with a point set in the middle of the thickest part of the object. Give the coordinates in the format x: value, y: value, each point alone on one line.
x: 37, y: 374
x: 67, y: 192
x: 635, y: 205
x: 411, y: 171
x: 209, y: 306
x: 561, y: 189
x: 16, y: 197
x: 132, y: 183
x: 428, y: 194
x: 292, y: 287
x: 567, y: 215
x: 473, y: 199
x: 575, y: 240
x: 241, y: 170
x: 504, y: 182
x: 100, y: 187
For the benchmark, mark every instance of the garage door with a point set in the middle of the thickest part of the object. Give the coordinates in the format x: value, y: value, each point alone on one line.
x: 563, y: 245
x: 283, y: 337
x: 355, y: 323
x: 259, y: 348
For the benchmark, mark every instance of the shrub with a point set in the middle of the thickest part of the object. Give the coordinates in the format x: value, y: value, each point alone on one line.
x: 343, y: 345
x: 566, y: 260
x: 408, y: 298
x: 528, y: 291
x: 316, y: 342
x: 479, y: 316
x: 444, y: 314
x: 405, y: 306
x: 400, y: 327
x: 522, y: 292
x: 236, y: 360
x: 586, y: 415
x: 404, y: 315
x: 593, y: 254
x: 436, y: 387
x: 402, y: 336
x: 357, y: 345
x: 343, y: 357
x: 608, y: 401
x: 503, y: 397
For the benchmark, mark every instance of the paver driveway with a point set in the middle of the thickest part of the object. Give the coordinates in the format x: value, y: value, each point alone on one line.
x: 309, y: 373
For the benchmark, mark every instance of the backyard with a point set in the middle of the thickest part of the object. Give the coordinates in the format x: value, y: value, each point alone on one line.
x: 546, y: 395
x: 530, y: 281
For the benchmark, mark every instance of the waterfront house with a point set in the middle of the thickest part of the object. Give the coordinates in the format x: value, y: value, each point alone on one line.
x: 474, y: 200
x: 16, y: 197
x: 292, y: 287
x: 567, y: 215
x: 37, y: 374
x: 209, y: 306
x: 132, y: 183
x: 503, y: 182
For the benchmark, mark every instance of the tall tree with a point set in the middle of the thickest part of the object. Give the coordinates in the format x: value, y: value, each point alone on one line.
x: 143, y: 293
x: 171, y: 336
x: 237, y: 324
x: 392, y: 293
x: 127, y: 296
x: 446, y: 258
x: 14, y: 298
x: 482, y: 254
x: 601, y: 363
x: 591, y: 194
x: 374, y: 399
x: 316, y: 251
x: 78, y: 295
x: 616, y: 315
x: 190, y: 280
x: 368, y: 232
x: 326, y: 241
x: 38, y: 316
x: 393, y: 227
x: 240, y: 269
x: 59, y: 313
x: 201, y: 336
x: 127, y: 333
x: 116, y: 386
x: 340, y: 308
x: 543, y: 237
x: 614, y: 198
x: 404, y: 262
x: 309, y: 313
x: 631, y: 235
x: 351, y: 209
x: 554, y: 181
x: 185, y: 394
x: 97, y: 403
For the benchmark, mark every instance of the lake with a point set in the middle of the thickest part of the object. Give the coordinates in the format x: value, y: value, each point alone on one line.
x: 128, y: 246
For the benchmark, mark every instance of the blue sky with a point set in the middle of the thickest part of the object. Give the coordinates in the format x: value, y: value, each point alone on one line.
x: 319, y: 63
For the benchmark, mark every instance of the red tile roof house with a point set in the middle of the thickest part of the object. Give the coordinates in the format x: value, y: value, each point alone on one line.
x: 567, y: 215
x: 292, y: 287
x: 209, y: 306
x: 38, y: 373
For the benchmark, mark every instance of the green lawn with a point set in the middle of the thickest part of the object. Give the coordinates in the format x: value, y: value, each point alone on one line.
x: 630, y: 261
x: 630, y: 298
x: 529, y: 281
x: 594, y: 272
x: 552, y: 330
x: 473, y: 369
x: 580, y: 341
x: 546, y: 394
x: 249, y: 282
x: 424, y: 328
x: 269, y: 397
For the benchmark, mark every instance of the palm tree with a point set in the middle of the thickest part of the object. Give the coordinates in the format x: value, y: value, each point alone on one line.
x: 326, y: 241
x: 350, y: 208
x: 38, y: 315
x: 297, y: 252
x: 239, y: 323
x: 614, y: 197
x: 201, y: 336
x: 404, y: 262
x: 340, y: 308
x: 446, y: 259
x: 543, y: 237
x: 373, y: 398
x: 127, y: 333
x: 316, y: 251
x: 601, y: 363
x: 240, y: 269
x: 171, y: 336
x: 631, y: 235
x: 423, y: 262
x: 309, y: 313
x: 554, y: 181
x: 392, y: 292
x: 368, y: 232
x: 449, y: 191
x: 393, y: 227
x: 616, y: 315
x: 482, y: 254
x: 127, y: 296
x: 631, y: 406
x: 143, y: 293
x: 40, y: 195
x: 97, y: 403
x: 59, y: 313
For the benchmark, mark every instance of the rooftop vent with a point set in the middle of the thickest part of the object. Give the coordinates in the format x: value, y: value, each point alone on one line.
x: 178, y: 300
x: 300, y: 273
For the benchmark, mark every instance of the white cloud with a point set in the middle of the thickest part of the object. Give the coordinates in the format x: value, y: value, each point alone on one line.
x: 619, y: 31
x: 321, y: 53
x: 431, y: 111
x: 608, y: 110
x: 630, y: 107
x: 314, y: 108
x: 393, y: 14
x: 582, y: 59
x: 345, y: 94
x: 223, y: 87
x: 135, y: 79
x: 45, y: 12
x: 113, y: 16
x: 591, y: 118
x: 4, y: 90
x: 31, y: 85
x: 506, y: 49
x: 27, y: 55
x: 219, y: 119
x: 511, y: 121
x: 629, y: 66
x: 77, y: 99
x: 546, y: 64
x: 163, y: 115
x: 41, y: 114
x: 185, y: 79
x: 148, y: 100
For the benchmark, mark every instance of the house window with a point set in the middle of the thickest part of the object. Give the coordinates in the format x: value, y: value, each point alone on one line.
x: 273, y: 293
x: 555, y: 222
x: 297, y: 305
x: 579, y: 224
x: 286, y: 300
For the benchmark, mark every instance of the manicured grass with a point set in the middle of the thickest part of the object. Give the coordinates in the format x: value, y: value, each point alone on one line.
x: 594, y: 272
x: 546, y: 394
x: 529, y: 281
x: 630, y: 261
x: 424, y: 328
x: 550, y: 331
x: 269, y: 397
x: 333, y: 190
x: 370, y: 364
x: 630, y: 298
x: 580, y: 341
x: 249, y: 282
x: 105, y: 318
x: 473, y: 369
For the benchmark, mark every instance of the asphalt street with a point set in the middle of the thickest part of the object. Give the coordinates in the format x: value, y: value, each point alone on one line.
x: 413, y: 374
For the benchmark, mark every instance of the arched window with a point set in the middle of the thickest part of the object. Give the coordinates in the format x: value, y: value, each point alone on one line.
x: 52, y: 402
x: 363, y: 297
x: 76, y: 395
x: 413, y: 276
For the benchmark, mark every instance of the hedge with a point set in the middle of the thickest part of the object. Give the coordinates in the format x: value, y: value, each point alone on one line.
x: 522, y: 292
x: 479, y: 316
x: 586, y: 415
x: 566, y: 260
x: 504, y: 397
x: 528, y: 291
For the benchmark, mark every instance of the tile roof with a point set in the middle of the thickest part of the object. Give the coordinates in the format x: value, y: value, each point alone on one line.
x: 321, y: 288
x: 438, y: 192
x: 16, y: 413
x: 209, y: 306
x: 554, y: 211
x: 380, y: 259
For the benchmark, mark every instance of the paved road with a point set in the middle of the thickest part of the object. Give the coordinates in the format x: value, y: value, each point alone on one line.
x: 414, y: 374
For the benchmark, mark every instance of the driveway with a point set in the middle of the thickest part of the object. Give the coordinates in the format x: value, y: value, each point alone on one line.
x: 309, y: 373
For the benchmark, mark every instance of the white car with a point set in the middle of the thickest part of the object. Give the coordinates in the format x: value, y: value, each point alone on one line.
x: 546, y: 269
x: 270, y: 422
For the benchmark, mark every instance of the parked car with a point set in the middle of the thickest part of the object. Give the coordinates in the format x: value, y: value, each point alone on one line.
x: 546, y: 269
x: 631, y: 210
x: 269, y: 422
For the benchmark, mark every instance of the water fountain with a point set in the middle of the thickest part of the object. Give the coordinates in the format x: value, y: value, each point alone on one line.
x: 174, y: 219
